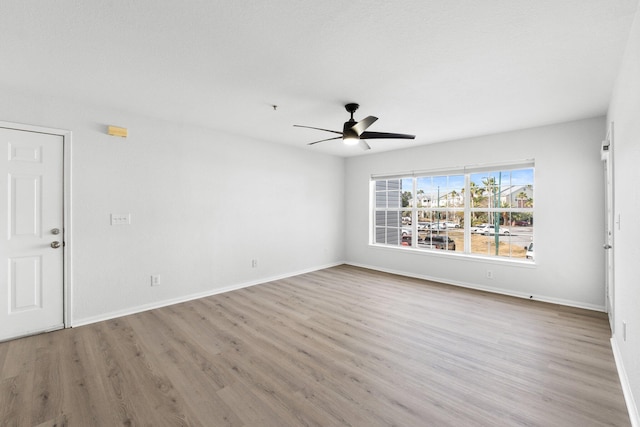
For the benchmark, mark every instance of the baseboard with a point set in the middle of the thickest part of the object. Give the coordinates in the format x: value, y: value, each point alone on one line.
x: 634, y: 416
x: 475, y: 286
x: 190, y: 297
x: 164, y: 303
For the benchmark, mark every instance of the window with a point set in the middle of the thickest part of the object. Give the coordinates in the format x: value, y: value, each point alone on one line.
x: 479, y: 211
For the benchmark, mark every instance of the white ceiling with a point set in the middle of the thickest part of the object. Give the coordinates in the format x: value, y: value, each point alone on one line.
x: 439, y: 69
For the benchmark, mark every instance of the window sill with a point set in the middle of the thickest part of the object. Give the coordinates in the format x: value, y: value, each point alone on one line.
x: 439, y: 253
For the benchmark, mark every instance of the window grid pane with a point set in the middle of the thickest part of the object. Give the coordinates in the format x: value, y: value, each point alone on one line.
x: 500, y: 208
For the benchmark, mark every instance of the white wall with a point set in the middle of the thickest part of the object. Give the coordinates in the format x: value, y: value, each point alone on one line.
x: 203, y: 204
x: 624, y: 112
x: 569, y: 217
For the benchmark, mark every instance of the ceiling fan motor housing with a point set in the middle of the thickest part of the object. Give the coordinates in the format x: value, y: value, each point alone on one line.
x: 347, y: 132
x: 348, y: 128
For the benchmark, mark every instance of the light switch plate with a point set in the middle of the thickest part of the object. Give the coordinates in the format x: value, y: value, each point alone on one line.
x: 155, y: 280
x: 120, y: 219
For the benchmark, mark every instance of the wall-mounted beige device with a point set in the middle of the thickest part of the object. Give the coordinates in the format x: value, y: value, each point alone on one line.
x: 117, y: 131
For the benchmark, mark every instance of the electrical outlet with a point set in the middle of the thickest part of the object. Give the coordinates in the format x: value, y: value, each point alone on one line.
x: 155, y: 280
x: 254, y: 263
x: 489, y: 274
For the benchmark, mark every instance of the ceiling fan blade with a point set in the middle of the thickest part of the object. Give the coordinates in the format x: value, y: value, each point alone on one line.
x: 326, y: 130
x: 385, y: 135
x: 323, y: 140
x: 363, y: 124
x: 363, y: 144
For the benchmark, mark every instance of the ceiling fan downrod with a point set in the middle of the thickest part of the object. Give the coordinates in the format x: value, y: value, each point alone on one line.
x: 351, y: 108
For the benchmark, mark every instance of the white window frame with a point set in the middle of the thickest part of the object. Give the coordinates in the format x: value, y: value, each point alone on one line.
x: 468, y: 210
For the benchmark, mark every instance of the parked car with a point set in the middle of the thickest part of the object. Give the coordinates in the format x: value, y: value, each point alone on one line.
x: 451, y: 225
x: 436, y: 241
x: 406, y: 231
x: 522, y: 223
x: 480, y: 229
x: 529, y: 249
x: 438, y: 225
x: 492, y: 230
x: 424, y: 226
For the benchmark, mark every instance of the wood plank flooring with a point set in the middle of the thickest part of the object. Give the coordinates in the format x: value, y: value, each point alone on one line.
x: 343, y: 346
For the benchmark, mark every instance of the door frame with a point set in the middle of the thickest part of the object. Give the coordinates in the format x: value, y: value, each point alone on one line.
x: 610, y: 225
x: 66, y: 209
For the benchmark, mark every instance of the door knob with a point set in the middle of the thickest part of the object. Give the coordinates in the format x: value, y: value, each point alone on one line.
x: 55, y: 231
x: 55, y: 245
x: 607, y: 246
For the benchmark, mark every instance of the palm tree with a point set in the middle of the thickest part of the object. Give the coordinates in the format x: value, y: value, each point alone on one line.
x: 475, y: 197
x: 528, y: 203
x: 473, y: 189
x: 490, y: 188
x: 521, y: 198
x: 454, y: 195
x: 505, y: 215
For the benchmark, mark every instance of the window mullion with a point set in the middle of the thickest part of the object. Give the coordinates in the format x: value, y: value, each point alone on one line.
x: 467, y: 213
x: 414, y: 214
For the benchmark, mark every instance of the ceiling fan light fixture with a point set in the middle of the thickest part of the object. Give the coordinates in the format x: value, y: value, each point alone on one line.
x: 351, y: 139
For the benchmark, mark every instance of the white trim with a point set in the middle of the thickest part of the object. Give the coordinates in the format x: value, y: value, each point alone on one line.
x: 634, y: 416
x: 67, y: 208
x: 178, y: 300
x: 457, y: 170
x: 32, y: 128
x: 610, y: 221
x: 542, y: 298
x: 68, y: 232
x: 486, y: 259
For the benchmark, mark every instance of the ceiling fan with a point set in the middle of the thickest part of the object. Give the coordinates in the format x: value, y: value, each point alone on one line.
x: 354, y: 133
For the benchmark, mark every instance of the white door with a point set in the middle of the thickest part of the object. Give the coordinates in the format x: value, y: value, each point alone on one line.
x: 31, y: 233
x: 609, y: 224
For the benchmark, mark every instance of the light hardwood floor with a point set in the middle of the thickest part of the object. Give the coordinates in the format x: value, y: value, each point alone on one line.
x: 341, y: 346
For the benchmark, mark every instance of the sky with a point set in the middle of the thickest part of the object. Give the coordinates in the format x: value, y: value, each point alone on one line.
x: 445, y: 184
